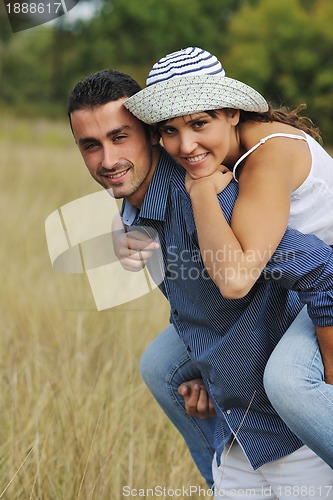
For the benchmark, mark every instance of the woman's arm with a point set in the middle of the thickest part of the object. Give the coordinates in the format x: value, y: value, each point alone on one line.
x: 235, y: 256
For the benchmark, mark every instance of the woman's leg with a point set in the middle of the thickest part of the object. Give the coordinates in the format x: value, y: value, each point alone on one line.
x: 294, y: 382
x: 164, y: 366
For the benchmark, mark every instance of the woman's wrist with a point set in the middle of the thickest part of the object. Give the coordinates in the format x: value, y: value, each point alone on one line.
x: 201, y: 187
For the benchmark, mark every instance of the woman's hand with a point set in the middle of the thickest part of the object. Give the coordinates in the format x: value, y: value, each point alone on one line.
x: 219, y: 179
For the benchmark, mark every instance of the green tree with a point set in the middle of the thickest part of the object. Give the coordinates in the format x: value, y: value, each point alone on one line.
x: 34, y: 69
x: 322, y: 82
x: 41, y: 64
x: 285, y: 50
x: 5, y: 35
x: 132, y: 35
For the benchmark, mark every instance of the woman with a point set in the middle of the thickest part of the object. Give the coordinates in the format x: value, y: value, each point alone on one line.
x: 211, y: 124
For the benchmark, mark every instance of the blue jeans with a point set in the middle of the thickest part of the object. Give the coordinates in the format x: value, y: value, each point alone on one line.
x: 294, y: 383
x: 164, y: 366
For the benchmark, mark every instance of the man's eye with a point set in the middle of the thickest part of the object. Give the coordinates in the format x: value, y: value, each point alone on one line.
x: 89, y: 146
x: 119, y: 138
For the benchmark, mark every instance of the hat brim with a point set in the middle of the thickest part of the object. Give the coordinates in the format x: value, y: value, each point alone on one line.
x: 193, y: 94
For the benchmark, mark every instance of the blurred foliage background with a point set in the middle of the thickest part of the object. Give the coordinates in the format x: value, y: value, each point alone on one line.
x: 283, y: 48
x: 76, y: 421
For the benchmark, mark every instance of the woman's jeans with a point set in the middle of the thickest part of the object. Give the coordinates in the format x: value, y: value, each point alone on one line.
x: 293, y: 381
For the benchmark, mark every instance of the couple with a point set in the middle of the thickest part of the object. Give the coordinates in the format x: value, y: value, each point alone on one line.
x: 210, y: 124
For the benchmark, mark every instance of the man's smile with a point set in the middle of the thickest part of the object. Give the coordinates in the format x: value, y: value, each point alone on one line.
x: 115, y: 176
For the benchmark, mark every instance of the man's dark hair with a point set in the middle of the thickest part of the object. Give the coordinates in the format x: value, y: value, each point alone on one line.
x: 100, y: 88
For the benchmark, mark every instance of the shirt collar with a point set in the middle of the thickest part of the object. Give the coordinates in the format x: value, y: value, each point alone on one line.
x: 155, y: 200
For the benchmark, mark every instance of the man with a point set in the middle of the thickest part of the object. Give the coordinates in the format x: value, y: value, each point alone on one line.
x: 230, y: 341
x: 137, y: 152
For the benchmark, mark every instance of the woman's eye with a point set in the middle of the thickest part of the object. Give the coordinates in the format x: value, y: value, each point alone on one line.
x: 199, y: 124
x: 168, y: 130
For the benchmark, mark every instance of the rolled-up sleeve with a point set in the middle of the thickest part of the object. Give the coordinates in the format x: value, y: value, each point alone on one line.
x: 304, y: 263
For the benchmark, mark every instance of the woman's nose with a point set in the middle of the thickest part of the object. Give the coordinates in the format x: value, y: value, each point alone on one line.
x: 187, y: 143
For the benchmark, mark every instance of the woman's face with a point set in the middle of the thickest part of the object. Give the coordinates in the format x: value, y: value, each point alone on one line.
x: 200, y: 142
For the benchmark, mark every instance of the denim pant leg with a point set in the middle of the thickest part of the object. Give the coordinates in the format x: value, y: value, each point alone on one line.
x: 164, y: 366
x: 294, y: 382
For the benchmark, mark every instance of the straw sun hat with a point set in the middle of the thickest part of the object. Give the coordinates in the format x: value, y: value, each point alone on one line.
x: 189, y: 81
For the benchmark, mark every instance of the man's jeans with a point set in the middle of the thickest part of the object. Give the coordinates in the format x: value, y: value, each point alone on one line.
x: 301, y: 475
x: 164, y: 366
x: 293, y: 381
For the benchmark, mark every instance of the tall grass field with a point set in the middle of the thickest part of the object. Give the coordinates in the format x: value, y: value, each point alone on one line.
x: 76, y: 420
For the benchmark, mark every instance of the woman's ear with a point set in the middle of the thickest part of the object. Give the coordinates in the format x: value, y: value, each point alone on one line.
x: 154, y: 136
x: 233, y: 116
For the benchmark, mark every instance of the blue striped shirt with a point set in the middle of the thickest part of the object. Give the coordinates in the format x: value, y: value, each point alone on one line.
x: 231, y: 340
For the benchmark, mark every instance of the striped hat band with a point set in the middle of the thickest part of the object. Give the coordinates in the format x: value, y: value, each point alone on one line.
x: 190, y: 61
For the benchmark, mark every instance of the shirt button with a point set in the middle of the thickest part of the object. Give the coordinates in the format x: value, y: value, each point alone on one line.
x: 228, y: 412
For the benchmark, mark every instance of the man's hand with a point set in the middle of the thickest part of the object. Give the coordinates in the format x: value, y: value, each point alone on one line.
x: 132, y: 248
x: 197, y: 401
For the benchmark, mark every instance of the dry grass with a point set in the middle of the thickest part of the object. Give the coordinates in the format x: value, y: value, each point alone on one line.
x: 76, y: 420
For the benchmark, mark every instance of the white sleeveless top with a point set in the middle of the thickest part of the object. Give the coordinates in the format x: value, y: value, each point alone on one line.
x: 311, y: 208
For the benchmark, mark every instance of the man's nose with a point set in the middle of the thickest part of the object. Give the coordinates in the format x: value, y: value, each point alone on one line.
x: 110, y: 158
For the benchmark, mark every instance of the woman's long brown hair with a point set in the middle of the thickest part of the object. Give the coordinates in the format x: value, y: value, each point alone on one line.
x: 284, y: 115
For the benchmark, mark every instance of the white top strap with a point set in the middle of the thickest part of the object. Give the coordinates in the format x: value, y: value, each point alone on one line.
x: 262, y: 141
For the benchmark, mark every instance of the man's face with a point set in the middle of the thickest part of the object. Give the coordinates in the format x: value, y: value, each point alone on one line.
x: 116, y: 150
